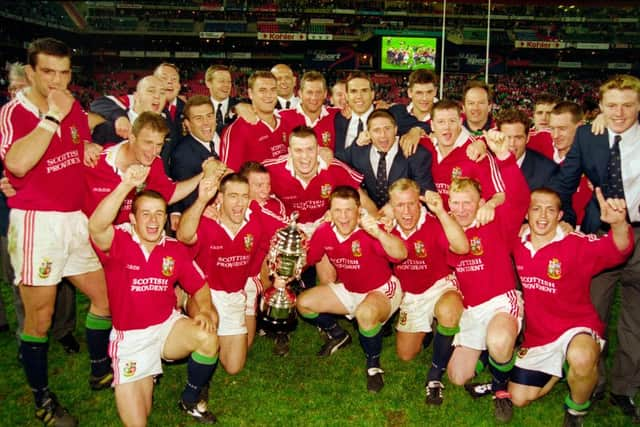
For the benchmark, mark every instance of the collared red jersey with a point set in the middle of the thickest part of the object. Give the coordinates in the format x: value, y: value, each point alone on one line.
x: 243, y: 142
x: 56, y: 182
x: 311, y: 201
x: 556, y: 283
x: 140, y: 285
x: 323, y: 127
x: 105, y: 177
x: 229, y: 260
x: 457, y: 164
x: 361, y: 263
x: 427, y: 249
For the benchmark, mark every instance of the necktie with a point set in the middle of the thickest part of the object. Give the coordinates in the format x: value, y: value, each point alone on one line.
x: 219, y: 119
x: 614, y: 187
x: 212, y: 148
x: 172, y: 112
x: 381, y: 179
x: 360, y: 129
x: 287, y: 104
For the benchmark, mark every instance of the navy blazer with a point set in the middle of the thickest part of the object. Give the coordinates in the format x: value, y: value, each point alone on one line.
x: 589, y: 154
x: 228, y: 118
x: 407, y: 121
x: 186, y: 162
x: 341, y: 125
x: 537, y: 169
x: 417, y: 167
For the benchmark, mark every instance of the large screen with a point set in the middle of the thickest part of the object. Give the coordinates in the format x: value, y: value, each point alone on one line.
x: 408, y: 53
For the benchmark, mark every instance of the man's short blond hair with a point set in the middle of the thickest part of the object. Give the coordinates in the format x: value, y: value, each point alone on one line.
x: 459, y: 185
x: 404, y: 184
x: 621, y: 82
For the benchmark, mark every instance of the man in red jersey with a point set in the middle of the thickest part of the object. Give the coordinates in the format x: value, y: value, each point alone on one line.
x: 259, y: 181
x: 555, y: 270
x: 304, y: 182
x: 143, y: 147
x: 312, y: 112
x: 227, y: 249
x: 493, y: 308
x: 365, y: 288
x: 266, y: 139
x: 449, y: 147
x: 44, y: 141
x: 142, y: 266
x: 430, y: 288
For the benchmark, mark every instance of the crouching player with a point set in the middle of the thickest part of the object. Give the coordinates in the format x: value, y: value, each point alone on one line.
x: 142, y: 265
x: 492, y: 315
x: 430, y: 288
x: 366, y: 289
x: 562, y: 325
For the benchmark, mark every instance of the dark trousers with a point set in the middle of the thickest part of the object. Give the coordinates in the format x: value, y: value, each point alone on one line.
x: 625, y: 372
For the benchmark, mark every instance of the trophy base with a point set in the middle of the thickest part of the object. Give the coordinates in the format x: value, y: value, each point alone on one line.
x: 279, y: 325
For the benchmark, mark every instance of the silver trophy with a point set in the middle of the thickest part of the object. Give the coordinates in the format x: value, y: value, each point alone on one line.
x: 286, y: 258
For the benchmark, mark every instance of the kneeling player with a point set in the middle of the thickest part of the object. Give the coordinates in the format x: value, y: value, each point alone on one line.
x: 228, y: 249
x: 365, y: 289
x: 430, y: 288
x: 562, y: 325
x: 142, y: 265
x: 492, y: 317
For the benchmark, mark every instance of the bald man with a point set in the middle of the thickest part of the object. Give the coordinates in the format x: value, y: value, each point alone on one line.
x: 286, y: 86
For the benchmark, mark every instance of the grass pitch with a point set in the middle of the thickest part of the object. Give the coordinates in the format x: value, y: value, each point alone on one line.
x: 298, y: 390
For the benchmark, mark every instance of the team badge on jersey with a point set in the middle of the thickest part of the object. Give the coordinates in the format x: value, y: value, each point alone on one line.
x: 326, y: 137
x: 476, y: 246
x: 168, y: 266
x: 355, y: 248
x: 522, y: 352
x: 456, y: 172
x: 402, y: 318
x: 554, y: 269
x: 248, y: 242
x: 44, y: 269
x: 325, y: 191
x: 75, y: 136
x: 129, y: 369
x: 418, y: 245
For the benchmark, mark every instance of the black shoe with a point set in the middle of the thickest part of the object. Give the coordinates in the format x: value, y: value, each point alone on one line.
x: 477, y: 390
x: 375, y: 382
x: 598, y: 394
x: 503, y: 407
x: 198, y: 411
x: 52, y: 414
x: 627, y: 406
x: 281, y: 345
x: 101, y: 383
x: 573, y: 420
x: 334, y: 344
x: 434, y: 393
x: 69, y: 343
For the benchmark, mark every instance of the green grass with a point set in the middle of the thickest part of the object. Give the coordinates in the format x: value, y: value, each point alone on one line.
x: 298, y: 390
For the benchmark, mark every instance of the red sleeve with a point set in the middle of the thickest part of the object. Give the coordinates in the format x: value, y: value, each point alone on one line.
x: 232, y: 145
x: 602, y: 253
x: 316, y: 245
x: 190, y: 276
x: 159, y: 181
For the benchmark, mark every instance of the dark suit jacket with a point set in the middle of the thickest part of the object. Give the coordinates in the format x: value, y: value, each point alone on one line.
x: 589, y: 154
x: 537, y: 169
x: 416, y: 167
x: 406, y: 121
x: 228, y: 118
x: 341, y: 124
x: 175, y: 133
x: 186, y: 162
